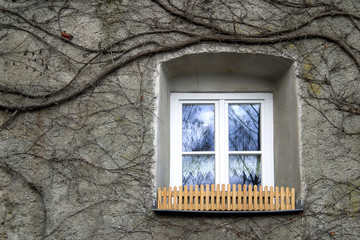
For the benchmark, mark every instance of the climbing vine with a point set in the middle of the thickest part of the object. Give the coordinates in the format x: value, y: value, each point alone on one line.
x: 77, y: 105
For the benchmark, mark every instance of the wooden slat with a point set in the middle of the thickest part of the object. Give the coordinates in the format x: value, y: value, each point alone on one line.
x: 186, y: 199
x: 233, y: 197
x: 247, y: 198
x: 223, y: 195
x: 191, y: 198
x: 256, y: 195
x: 239, y: 196
x: 228, y: 203
x: 166, y: 199
x: 180, y: 198
x: 160, y: 197
x: 287, y: 198
x: 207, y: 194
x: 282, y: 199
x: 261, y: 198
x: 277, y: 203
x: 266, y: 198
x: 169, y: 200
x: 212, y: 197
x: 250, y: 197
x: 163, y: 198
x: 272, y: 201
x: 218, y: 197
x: 201, y: 206
x: 196, y: 198
x: 293, y: 198
x: 174, y: 196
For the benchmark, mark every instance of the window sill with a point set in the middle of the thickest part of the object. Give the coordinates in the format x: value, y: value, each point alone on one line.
x: 223, y: 213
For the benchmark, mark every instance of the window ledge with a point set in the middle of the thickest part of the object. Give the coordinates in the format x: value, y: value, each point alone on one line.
x: 187, y: 212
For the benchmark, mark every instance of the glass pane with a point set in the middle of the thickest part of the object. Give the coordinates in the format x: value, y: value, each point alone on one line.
x: 245, y: 169
x: 244, y: 127
x: 198, y: 169
x: 198, y: 127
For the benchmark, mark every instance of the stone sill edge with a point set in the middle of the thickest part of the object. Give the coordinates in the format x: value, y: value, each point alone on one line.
x: 298, y: 210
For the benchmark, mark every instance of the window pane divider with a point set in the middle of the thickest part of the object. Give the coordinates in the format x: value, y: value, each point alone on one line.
x: 199, y: 153
x: 245, y: 152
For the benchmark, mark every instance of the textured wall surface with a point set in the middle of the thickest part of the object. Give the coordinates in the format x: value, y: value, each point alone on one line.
x: 78, y: 114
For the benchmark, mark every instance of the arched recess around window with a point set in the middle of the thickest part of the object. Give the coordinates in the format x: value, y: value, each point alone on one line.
x: 228, y: 73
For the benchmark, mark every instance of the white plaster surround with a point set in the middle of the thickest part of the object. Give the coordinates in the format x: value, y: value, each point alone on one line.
x: 225, y: 69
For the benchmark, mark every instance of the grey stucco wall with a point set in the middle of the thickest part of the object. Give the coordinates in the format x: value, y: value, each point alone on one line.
x: 84, y: 128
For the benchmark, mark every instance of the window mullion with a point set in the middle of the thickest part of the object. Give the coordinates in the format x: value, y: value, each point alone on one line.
x: 226, y: 141
x: 222, y: 163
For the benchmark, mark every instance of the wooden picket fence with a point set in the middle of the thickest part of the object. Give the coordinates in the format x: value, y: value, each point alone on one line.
x: 240, y: 198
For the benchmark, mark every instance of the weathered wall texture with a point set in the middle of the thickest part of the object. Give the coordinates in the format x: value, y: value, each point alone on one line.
x: 77, y: 119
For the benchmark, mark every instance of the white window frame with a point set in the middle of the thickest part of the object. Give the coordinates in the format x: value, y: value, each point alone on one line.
x: 221, y: 101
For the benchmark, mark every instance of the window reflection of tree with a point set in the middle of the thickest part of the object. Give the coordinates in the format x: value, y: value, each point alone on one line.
x: 244, y: 124
x: 244, y: 127
x: 245, y: 170
x: 198, y: 135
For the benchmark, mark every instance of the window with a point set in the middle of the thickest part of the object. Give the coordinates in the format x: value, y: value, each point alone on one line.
x: 221, y: 138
